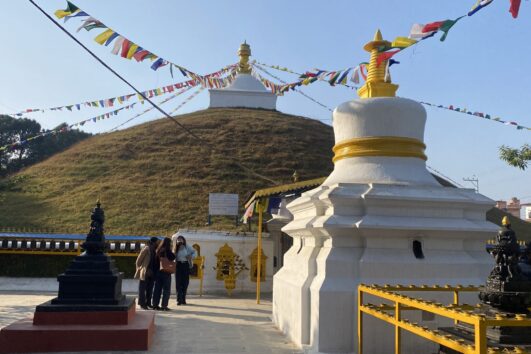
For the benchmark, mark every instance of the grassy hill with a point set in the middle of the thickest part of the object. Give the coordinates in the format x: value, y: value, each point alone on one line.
x: 154, y: 178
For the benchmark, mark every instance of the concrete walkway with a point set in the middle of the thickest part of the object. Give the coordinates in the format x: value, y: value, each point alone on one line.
x: 211, y: 324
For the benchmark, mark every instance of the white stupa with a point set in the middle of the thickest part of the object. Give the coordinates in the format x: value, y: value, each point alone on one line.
x: 379, y: 218
x: 246, y: 90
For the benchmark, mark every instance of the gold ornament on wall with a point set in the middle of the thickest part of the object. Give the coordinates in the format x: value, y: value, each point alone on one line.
x: 228, y: 266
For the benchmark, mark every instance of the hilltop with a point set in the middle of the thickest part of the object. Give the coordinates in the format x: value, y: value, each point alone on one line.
x: 154, y: 177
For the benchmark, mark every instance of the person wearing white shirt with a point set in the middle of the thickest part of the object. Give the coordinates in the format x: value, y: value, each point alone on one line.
x: 184, y: 256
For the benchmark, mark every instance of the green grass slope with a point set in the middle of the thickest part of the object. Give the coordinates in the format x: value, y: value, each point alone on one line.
x: 154, y: 177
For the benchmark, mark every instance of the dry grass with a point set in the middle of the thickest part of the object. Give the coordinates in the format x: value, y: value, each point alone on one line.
x: 154, y: 178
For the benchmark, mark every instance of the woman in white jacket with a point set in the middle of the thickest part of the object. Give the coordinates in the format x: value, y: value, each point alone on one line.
x: 184, y: 256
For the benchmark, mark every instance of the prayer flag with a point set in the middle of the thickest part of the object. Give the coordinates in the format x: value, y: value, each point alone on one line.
x: 417, y: 33
x: 125, y: 48
x: 182, y: 71
x: 393, y: 62
x: 342, y: 79
x: 95, y: 25
x: 70, y: 9
x: 356, y: 76
x: 87, y: 22
x: 102, y: 37
x: 363, y: 68
x: 131, y: 51
x: 385, y: 56
x: 77, y: 14
x: 158, y: 63
x: 403, y: 42
x: 447, y: 25
x: 140, y: 54
x: 432, y: 27
x: 111, y: 38
x: 515, y: 7
x: 478, y: 6
x: 118, y: 45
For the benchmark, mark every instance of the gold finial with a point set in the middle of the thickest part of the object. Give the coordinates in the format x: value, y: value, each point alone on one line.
x: 505, y: 221
x: 244, y: 53
x: 377, y: 85
x: 378, y: 36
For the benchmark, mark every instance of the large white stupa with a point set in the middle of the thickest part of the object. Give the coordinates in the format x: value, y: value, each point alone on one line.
x: 246, y: 90
x: 379, y: 218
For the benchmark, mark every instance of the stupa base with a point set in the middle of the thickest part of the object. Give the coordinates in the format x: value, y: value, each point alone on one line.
x: 25, y: 337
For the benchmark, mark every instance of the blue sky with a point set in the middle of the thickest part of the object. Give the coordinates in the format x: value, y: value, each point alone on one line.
x: 482, y: 65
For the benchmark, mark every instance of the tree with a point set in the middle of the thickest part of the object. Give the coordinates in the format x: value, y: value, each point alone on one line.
x: 516, y: 157
x: 16, y: 130
x: 12, y: 131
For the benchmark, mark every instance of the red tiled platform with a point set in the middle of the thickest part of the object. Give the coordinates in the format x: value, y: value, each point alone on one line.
x: 41, y: 318
x: 25, y: 337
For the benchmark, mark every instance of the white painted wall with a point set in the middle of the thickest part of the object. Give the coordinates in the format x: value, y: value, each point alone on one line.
x: 211, y: 242
x: 246, y: 91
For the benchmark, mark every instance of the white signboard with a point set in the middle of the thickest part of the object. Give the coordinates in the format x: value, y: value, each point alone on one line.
x: 528, y: 213
x: 222, y: 204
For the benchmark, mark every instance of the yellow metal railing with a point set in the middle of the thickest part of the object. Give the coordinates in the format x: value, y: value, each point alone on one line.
x: 392, y: 314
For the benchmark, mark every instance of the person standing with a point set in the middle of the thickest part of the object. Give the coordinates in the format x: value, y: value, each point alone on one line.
x: 145, y: 272
x: 164, y: 259
x: 184, y: 254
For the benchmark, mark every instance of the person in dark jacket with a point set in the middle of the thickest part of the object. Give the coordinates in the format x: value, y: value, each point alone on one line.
x: 145, y: 272
x: 184, y: 254
x: 163, y: 276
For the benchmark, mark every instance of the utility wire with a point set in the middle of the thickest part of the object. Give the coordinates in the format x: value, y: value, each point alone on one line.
x: 115, y: 73
x: 150, y: 109
x: 239, y: 164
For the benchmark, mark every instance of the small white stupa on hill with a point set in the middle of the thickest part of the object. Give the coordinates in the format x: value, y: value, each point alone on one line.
x: 245, y: 91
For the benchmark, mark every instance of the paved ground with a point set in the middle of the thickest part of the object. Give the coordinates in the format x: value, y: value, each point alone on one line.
x: 211, y: 324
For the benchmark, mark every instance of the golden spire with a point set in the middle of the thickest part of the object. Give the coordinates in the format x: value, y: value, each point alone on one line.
x: 244, y: 53
x: 376, y: 84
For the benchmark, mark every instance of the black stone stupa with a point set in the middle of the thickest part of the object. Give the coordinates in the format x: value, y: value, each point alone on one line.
x: 507, y: 294
x: 92, y: 281
x: 89, y: 314
x: 508, y: 288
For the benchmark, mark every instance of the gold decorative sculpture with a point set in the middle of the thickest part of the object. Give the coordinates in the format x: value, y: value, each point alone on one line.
x: 244, y: 53
x: 376, y: 84
x: 228, y: 266
x: 254, y: 265
x: 197, y: 271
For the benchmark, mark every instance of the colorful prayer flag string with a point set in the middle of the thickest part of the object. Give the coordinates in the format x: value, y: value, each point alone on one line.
x: 477, y: 114
x: 214, y: 80
x: 63, y: 129
x: 151, y: 108
x: 191, y: 97
x: 128, y: 49
x: 420, y: 32
x: 257, y: 66
x: 332, y: 77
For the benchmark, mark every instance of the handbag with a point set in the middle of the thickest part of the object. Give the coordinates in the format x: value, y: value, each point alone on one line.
x: 166, y: 265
